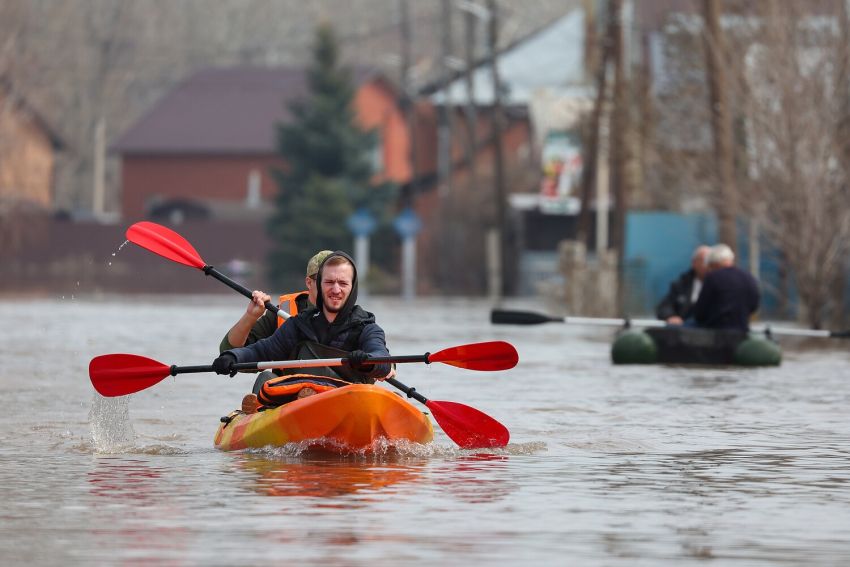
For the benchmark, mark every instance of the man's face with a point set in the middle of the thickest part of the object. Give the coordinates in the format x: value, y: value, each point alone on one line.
x: 699, y: 265
x: 336, y: 286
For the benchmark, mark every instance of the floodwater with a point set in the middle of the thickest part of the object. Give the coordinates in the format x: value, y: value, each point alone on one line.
x: 606, y: 465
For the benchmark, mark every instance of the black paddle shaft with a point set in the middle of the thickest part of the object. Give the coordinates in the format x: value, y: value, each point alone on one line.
x: 175, y: 370
x: 210, y: 271
x: 411, y: 392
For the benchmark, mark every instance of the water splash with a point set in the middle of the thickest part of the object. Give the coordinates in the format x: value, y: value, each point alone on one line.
x: 393, y: 449
x: 123, y: 244
x: 109, y: 420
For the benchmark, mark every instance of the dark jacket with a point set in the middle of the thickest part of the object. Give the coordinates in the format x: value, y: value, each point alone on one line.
x: 678, y: 298
x: 307, y: 326
x: 728, y: 297
x: 352, y: 329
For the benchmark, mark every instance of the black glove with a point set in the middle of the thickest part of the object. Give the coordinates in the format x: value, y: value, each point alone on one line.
x: 224, y: 364
x: 357, y: 359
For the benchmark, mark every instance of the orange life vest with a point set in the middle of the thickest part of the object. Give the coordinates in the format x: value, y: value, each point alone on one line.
x: 287, y: 303
x: 282, y: 390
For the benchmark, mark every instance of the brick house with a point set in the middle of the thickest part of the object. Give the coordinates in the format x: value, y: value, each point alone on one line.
x: 28, y: 148
x: 207, y: 148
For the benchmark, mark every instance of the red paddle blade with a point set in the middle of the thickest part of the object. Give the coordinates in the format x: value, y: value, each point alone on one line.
x: 493, y: 355
x: 469, y: 427
x: 121, y: 374
x: 165, y: 242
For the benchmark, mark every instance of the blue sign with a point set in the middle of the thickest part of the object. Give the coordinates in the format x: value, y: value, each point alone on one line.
x: 361, y: 222
x: 407, y: 223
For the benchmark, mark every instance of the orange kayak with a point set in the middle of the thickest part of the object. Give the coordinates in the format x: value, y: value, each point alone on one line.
x: 351, y: 417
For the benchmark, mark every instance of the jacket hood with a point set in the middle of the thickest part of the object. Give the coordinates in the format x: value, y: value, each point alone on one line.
x: 351, y: 302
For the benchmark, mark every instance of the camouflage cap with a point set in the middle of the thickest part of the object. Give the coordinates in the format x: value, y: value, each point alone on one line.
x: 316, y: 261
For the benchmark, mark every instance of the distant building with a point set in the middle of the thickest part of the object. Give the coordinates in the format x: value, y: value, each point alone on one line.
x: 547, y: 89
x: 28, y: 148
x: 208, y: 147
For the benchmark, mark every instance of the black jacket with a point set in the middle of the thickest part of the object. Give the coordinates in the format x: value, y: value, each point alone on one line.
x: 678, y: 298
x: 284, y: 344
x: 728, y: 297
x: 352, y: 329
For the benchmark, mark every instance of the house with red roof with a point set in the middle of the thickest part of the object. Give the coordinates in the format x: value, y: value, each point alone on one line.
x: 207, y: 149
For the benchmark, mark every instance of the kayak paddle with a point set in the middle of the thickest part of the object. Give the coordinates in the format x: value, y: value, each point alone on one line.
x: 468, y: 427
x: 168, y: 244
x: 122, y: 374
x: 507, y: 317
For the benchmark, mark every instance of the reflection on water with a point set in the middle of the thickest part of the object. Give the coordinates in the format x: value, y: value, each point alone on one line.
x: 607, y: 465
x: 136, y: 511
x: 472, y: 478
x: 328, y: 477
x: 120, y: 479
x: 477, y: 478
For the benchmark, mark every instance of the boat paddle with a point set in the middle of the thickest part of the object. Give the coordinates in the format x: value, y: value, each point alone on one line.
x: 508, y: 317
x: 165, y: 242
x: 122, y: 374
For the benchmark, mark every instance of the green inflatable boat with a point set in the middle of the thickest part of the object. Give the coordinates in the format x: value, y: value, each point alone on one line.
x: 686, y: 345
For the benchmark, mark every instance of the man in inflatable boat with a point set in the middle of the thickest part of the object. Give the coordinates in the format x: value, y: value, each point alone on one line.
x: 335, y: 328
x: 730, y: 296
x: 677, y: 306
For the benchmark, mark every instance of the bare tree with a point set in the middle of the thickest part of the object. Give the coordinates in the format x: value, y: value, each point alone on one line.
x: 796, y: 90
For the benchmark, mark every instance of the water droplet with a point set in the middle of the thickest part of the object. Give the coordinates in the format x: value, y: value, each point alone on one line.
x: 123, y: 244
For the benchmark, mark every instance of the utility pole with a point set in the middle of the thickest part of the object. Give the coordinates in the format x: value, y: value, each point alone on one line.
x: 603, y: 165
x: 721, y: 123
x: 470, y: 25
x: 406, y: 98
x: 444, y: 129
x: 619, y: 139
x: 498, y: 159
x: 590, y: 169
x: 408, y: 250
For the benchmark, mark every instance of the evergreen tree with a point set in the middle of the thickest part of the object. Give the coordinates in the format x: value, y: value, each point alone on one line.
x: 327, y: 172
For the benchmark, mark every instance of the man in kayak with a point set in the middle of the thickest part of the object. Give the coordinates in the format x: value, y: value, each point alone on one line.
x: 335, y: 325
x: 729, y: 295
x: 677, y: 305
x: 258, y: 323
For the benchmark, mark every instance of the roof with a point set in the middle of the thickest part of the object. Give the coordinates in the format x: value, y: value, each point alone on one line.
x: 15, y: 97
x: 551, y: 58
x: 222, y: 111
